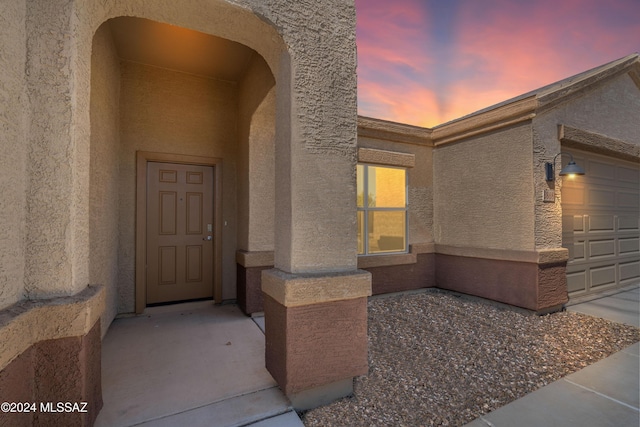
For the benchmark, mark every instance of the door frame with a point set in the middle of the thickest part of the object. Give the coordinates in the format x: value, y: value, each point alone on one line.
x: 144, y: 157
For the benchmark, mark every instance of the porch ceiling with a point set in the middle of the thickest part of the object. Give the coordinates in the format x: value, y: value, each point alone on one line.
x: 180, y: 49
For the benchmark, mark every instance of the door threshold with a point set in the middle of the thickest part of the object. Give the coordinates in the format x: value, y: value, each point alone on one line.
x: 178, y: 306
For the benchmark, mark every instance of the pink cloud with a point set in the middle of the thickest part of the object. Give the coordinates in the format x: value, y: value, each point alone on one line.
x: 386, y: 102
x: 514, y: 48
x: 497, y: 50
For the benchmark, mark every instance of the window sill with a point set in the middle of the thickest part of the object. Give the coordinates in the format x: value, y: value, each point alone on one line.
x: 387, y: 260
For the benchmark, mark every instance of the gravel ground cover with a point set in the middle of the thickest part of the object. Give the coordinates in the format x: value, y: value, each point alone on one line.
x: 437, y: 359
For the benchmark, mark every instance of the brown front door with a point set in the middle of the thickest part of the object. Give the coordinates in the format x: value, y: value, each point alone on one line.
x: 179, y: 232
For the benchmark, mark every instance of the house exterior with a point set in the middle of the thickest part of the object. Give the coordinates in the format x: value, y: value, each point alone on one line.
x: 483, y: 218
x: 156, y: 152
x: 271, y: 137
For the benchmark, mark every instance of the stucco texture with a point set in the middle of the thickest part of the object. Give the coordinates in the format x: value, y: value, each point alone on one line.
x: 13, y: 151
x: 611, y: 109
x: 52, y: 206
x: 171, y: 112
x: 483, y: 194
x: 104, y: 164
x: 256, y: 158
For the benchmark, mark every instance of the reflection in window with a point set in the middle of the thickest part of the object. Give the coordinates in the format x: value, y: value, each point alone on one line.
x: 382, y: 209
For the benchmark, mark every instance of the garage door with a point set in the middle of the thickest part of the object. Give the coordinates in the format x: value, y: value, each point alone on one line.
x: 600, y: 224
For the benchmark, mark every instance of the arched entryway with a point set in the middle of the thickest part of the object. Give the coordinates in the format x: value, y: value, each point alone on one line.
x: 167, y: 95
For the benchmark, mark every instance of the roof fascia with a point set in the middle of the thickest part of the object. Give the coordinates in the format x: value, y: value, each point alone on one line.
x: 392, y: 131
x: 507, y: 115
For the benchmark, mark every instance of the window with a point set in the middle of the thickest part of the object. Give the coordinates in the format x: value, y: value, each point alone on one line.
x: 382, y: 209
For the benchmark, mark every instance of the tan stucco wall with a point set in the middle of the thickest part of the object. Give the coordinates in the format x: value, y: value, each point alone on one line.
x: 308, y: 46
x: 610, y: 109
x: 13, y: 151
x: 171, y: 112
x: 256, y: 158
x: 104, y: 194
x: 315, y: 171
x: 483, y: 195
x: 420, y: 183
x: 56, y: 261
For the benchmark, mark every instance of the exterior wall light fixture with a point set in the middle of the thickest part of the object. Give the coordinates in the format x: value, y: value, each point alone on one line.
x: 571, y: 169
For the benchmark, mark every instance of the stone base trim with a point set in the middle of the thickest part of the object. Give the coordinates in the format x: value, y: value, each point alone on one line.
x: 404, y: 277
x: 56, y: 370
x: 530, y: 285
x: 29, y: 322
x: 292, y: 290
x: 249, y: 288
x: 50, y: 351
x: 313, y: 346
x: 540, y: 256
x: 255, y: 259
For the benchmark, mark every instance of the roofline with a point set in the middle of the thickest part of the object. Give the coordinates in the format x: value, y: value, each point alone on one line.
x: 393, y: 131
x: 507, y: 113
x: 527, y: 106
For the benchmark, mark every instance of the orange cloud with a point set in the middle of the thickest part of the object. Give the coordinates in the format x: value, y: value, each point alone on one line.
x: 415, y: 70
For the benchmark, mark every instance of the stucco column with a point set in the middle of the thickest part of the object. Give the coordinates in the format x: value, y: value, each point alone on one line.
x: 315, y: 298
x: 56, y: 259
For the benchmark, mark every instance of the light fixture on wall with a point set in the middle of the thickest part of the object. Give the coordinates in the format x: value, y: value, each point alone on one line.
x: 571, y: 168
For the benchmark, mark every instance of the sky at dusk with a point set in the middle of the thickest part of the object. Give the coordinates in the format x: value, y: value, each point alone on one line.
x: 426, y: 62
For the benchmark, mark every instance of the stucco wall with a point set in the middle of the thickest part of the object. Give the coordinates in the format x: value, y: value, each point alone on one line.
x: 56, y: 261
x: 171, y: 112
x: 611, y: 109
x: 420, y: 182
x: 315, y: 171
x: 104, y: 192
x: 483, y: 195
x: 256, y: 158
x: 13, y: 151
x: 309, y: 46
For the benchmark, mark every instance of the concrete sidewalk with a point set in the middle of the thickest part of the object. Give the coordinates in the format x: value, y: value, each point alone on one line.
x: 606, y: 393
x: 194, y: 364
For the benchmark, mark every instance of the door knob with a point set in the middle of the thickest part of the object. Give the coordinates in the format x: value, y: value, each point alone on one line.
x: 207, y: 238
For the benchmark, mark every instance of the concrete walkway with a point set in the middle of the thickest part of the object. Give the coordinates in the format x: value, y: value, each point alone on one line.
x: 189, y: 365
x: 606, y: 393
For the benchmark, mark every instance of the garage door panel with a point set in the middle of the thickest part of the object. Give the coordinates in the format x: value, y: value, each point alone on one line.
x: 629, y: 246
x: 601, y: 198
x: 602, y: 248
x: 578, y: 251
x: 601, y: 223
x: 627, y: 199
x: 629, y: 270
x: 632, y: 176
x: 603, y: 276
x: 601, y: 170
x: 572, y: 223
x: 572, y: 196
x: 628, y: 222
x: 577, y: 281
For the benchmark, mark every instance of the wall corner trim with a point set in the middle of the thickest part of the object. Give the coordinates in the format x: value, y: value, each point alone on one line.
x: 293, y: 290
x: 31, y: 321
x: 249, y: 259
x: 538, y: 256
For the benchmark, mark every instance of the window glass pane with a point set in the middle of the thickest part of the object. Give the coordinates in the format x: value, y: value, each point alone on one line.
x: 360, y: 232
x: 360, y: 180
x: 387, y: 187
x: 387, y: 231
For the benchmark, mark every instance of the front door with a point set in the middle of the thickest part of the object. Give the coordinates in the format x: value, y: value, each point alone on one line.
x: 179, y: 232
